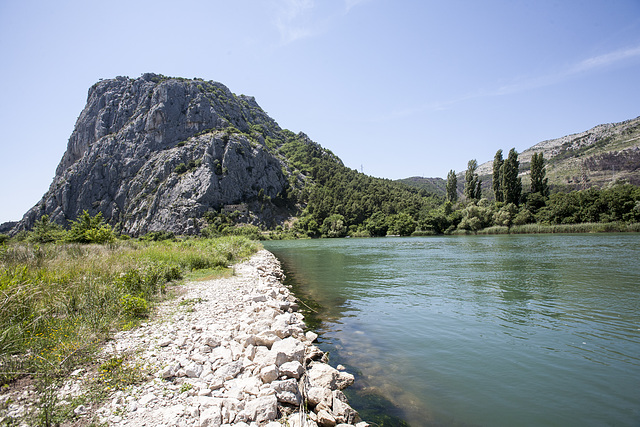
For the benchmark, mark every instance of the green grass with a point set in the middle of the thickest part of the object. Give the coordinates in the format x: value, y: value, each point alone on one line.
x: 59, y: 302
x: 589, y: 227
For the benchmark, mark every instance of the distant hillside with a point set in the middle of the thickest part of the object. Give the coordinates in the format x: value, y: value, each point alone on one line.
x: 596, y: 157
x: 436, y: 186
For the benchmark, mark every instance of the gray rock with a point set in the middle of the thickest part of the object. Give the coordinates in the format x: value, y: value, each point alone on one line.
x: 287, y: 391
x: 230, y: 370
x: 156, y: 153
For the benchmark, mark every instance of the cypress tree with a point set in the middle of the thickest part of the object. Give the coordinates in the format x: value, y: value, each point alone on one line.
x: 511, y: 183
x: 472, y: 184
x: 452, y: 186
x: 497, y: 179
x: 539, y: 184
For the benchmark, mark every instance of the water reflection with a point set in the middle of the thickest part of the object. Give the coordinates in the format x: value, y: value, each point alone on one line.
x: 491, y: 330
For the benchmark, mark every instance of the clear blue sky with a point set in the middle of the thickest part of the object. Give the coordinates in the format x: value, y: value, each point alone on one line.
x: 399, y: 88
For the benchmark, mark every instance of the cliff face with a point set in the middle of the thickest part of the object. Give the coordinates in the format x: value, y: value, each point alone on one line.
x: 156, y: 153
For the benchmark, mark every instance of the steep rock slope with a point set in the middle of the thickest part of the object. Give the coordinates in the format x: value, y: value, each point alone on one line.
x: 157, y: 153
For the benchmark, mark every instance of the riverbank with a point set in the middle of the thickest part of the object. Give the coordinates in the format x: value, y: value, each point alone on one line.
x: 229, y: 351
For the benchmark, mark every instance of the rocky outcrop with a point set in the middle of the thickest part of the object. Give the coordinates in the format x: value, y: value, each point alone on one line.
x: 232, y: 351
x: 156, y: 153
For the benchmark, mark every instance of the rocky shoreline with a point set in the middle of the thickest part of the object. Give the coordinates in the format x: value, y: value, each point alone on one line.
x: 229, y: 352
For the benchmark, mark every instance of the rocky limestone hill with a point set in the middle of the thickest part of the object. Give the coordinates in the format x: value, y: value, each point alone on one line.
x: 599, y: 156
x: 157, y: 153
x: 596, y: 157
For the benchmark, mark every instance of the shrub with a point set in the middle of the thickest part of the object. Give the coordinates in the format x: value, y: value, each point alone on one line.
x: 134, y: 306
x: 180, y: 169
x: 88, y: 229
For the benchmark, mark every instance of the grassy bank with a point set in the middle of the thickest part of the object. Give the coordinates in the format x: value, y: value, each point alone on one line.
x: 59, y: 301
x: 589, y: 227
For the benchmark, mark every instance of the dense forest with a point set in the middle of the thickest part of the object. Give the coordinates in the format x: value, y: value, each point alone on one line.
x: 342, y: 202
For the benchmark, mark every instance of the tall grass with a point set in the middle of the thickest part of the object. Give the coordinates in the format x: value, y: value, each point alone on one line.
x: 58, y: 301
x: 589, y: 227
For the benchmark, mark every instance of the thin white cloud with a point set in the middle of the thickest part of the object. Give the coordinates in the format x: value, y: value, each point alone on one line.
x: 292, y: 20
x: 605, y: 60
x: 300, y: 19
x: 350, y: 4
x: 522, y: 84
x: 586, y: 65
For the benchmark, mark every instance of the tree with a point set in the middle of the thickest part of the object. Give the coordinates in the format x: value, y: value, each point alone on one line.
x: 88, y: 229
x: 452, y: 187
x: 497, y: 178
x: 511, y: 182
x: 377, y: 224
x: 44, y: 231
x: 334, y: 226
x: 539, y: 184
x: 401, y: 224
x: 472, y: 183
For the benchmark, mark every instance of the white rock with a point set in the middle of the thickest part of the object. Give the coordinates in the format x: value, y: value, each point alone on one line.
x: 326, y: 419
x: 287, y: 391
x: 323, y: 375
x: 344, y: 380
x: 173, y: 412
x: 211, y: 417
x: 292, y: 369
x: 269, y: 373
x: 311, y: 336
x: 288, y: 350
x: 211, y: 341
x: 206, y: 402
x: 81, y: 410
x: 266, y: 338
x: 147, y: 399
x: 193, y: 370
x: 318, y: 395
x: 230, y: 370
x: 262, y: 409
x: 300, y: 419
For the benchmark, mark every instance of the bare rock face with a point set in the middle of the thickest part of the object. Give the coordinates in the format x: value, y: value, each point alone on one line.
x: 156, y: 153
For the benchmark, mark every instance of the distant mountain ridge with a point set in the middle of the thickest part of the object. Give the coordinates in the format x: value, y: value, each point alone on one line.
x: 601, y: 155
x: 596, y: 157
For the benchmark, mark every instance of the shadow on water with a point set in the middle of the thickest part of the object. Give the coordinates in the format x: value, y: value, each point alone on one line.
x: 371, y: 406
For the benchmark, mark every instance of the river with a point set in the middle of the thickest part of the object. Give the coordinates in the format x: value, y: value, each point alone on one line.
x: 524, y: 330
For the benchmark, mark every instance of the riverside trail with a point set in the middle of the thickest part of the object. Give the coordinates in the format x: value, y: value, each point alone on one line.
x: 227, y: 352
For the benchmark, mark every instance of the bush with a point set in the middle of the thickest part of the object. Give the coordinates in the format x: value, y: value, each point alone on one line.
x: 88, y: 229
x: 45, y: 231
x: 134, y: 306
x: 180, y: 169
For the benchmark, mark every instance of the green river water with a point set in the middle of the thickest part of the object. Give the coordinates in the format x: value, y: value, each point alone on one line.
x: 526, y: 330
